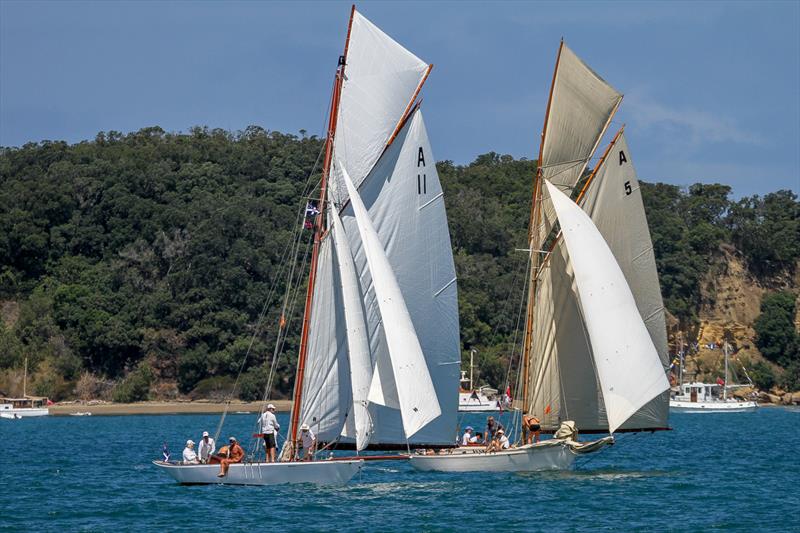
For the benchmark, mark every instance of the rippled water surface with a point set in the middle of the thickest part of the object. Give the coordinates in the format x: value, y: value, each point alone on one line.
x: 714, y: 471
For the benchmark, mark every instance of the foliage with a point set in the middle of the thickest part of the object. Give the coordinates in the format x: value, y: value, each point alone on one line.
x: 136, y: 385
x: 156, y: 252
x: 776, y: 335
x: 762, y: 375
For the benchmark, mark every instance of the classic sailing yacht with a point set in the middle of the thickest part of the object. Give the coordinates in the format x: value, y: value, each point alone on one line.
x: 595, y: 347
x: 379, y: 352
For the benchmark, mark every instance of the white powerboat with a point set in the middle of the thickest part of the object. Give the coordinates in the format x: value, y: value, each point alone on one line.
x: 23, y: 407
x: 699, y: 397
x: 708, y: 398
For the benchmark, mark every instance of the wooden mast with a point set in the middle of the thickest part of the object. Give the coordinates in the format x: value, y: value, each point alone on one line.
x: 318, y: 231
x: 534, y: 246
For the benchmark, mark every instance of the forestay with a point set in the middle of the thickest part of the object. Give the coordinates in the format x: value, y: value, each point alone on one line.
x: 415, y: 393
x: 627, y: 363
x: 580, y: 109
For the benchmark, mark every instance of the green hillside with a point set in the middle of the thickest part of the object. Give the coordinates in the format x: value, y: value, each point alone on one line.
x: 137, y: 265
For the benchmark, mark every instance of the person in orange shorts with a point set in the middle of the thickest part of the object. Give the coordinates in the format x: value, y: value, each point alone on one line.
x: 235, y: 455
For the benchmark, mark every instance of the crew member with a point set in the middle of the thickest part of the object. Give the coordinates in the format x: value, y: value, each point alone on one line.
x: 466, y: 438
x: 189, y: 455
x: 269, y: 429
x: 309, y: 442
x: 492, y: 426
x: 531, y: 429
x: 235, y: 455
x: 206, y: 448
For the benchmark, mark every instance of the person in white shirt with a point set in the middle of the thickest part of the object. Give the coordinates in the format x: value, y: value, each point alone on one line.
x: 269, y: 429
x: 500, y: 442
x: 467, y: 437
x: 189, y: 455
x: 206, y: 448
x: 309, y: 442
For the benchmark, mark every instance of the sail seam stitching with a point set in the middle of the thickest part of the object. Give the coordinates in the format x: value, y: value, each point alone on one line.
x: 429, y: 202
x: 437, y: 293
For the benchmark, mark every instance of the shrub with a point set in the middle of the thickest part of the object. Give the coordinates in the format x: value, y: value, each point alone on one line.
x: 135, y: 387
x: 762, y: 375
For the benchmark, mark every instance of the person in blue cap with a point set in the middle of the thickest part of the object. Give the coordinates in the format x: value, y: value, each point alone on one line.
x: 465, y: 439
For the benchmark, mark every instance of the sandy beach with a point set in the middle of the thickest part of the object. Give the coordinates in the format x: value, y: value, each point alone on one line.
x: 161, y: 408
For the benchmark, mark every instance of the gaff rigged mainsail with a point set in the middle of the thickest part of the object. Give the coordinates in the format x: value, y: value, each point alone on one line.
x: 627, y: 363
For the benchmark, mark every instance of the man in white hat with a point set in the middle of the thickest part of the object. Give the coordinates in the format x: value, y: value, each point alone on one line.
x: 206, y: 448
x: 189, y: 455
x: 269, y: 429
x: 309, y: 442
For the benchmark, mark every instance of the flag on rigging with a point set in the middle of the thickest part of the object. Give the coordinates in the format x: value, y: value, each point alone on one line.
x: 311, y: 209
x: 720, y: 381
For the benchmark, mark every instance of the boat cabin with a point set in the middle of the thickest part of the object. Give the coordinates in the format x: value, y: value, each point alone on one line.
x: 30, y: 402
x: 700, y: 392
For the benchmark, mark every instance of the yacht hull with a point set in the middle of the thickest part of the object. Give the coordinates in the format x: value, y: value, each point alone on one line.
x: 677, y: 406
x: 547, y: 455
x: 315, y: 472
x: 24, y: 412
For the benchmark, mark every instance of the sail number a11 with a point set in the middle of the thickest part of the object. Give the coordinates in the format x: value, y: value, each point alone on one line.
x: 623, y: 159
x: 422, y: 179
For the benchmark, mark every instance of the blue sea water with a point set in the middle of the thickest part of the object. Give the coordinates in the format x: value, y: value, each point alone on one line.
x: 734, y: 472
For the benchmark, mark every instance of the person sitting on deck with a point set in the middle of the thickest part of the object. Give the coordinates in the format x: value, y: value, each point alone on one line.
x: 531, y: 429
x: 189, y: 455
x: 235, y: 455
x: 492, y: 426
x: 466, y: 438
x: 309, y: 442
x: 477, y: 439
x: 206, y: 448
x: 500, y: 442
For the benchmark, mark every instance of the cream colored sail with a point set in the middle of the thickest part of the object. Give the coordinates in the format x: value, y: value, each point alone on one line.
x: 357, y: 343
x: 614, y: 201
x: 416, y: 394
x: 627, y: 363
x: 580, y: 110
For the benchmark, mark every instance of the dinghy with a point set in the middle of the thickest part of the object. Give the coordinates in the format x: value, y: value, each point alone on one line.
x: 594, y: 354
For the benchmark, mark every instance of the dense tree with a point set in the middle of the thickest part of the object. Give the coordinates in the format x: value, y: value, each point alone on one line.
x: 776, y: 335
x: 149, y: 257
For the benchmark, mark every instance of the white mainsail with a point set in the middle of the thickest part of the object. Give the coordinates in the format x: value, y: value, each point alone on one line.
x: 417, y: 397
x: 627, y: 363
x: 580, y: 110
x: 614, y: 201
x: 357, y: 343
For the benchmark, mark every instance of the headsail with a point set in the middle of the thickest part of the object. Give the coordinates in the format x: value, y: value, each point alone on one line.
x: 418, y: 402
x: 614, y: 201
x: 627, y: 363
x: 357, y: 344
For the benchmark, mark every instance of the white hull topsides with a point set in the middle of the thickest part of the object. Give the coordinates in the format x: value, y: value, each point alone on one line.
x: 476, y: 402
x: 715, y: 406
x: 315, y: 472
x: 23, y: 412
x: 546, y: 455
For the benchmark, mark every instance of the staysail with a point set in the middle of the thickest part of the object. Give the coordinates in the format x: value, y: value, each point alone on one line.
x: 416, y: 395
x: 627, y: 363
x: 357, y: 343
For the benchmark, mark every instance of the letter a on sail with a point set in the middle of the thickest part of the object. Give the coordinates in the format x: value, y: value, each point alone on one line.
x: 419, y: 404
x: 626, y: 359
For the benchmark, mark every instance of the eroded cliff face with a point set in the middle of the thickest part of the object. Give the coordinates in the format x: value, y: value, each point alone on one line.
x: 731, y: 303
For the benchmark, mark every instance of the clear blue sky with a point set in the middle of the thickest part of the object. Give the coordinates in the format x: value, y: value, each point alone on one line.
x: 712, y: 90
